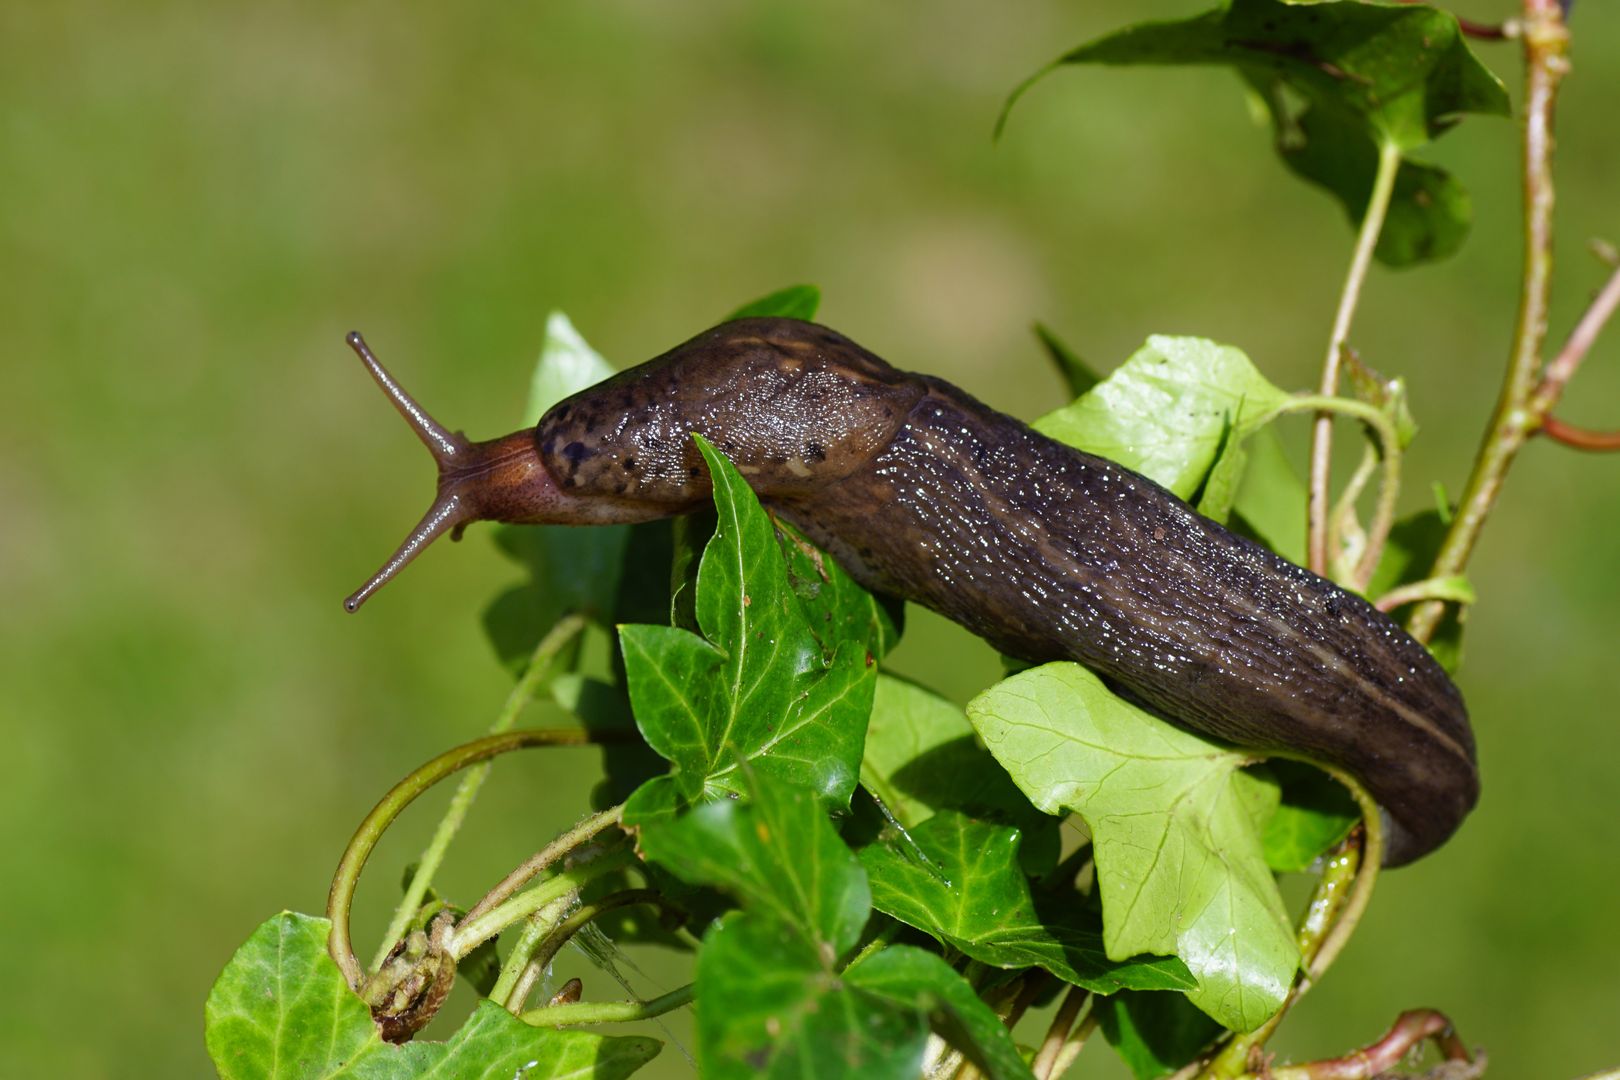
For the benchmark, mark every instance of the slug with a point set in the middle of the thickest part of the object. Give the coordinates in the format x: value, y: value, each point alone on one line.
x: 921, y: 491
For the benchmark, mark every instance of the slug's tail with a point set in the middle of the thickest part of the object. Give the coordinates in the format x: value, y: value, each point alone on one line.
x: 448, y: 512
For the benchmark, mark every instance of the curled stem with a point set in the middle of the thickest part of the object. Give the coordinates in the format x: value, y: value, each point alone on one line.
x: 607, y: 1012
x: 509, y: 991
x: 341, y: 896
x: 1372, y: 223
x: 1409, y: 1029
x: 535, y: 675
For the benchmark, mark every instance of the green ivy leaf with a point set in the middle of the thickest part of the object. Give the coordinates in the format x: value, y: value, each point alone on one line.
x: 1078, y: 375
x: 922, y: 756
x: 913, y: 979
x: 566, y: 366
x: 1270, y: 498
x: 1340, y: 80
x: 769, y: 1004
x: 755, y: 689
x: 970, y: 894
x: 1179, y: 863
x: 281, y: 1009
x: 1314, y: 812
x: 838, y: 608
x: 1156, y: 1034
x: 778, y: 855
x: 1172, y: 412
x: 793, y: 302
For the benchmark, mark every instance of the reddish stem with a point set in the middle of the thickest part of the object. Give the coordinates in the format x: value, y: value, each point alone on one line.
x: 1410, y: 1029
x: 1578, y: 437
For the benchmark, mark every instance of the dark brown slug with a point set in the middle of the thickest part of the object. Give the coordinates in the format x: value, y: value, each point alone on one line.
x: 1049, y: 553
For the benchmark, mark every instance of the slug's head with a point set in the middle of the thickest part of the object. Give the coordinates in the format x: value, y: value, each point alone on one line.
x: 498, y: 480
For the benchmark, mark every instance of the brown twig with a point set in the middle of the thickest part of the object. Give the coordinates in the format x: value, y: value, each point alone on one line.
x: 1058, y: 1032
x: 1578, y: 437
x: 1579, y: 343
x: 1410, y: 1029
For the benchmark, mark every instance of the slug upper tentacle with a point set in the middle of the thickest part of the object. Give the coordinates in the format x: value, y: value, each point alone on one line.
x: 1049, y: 553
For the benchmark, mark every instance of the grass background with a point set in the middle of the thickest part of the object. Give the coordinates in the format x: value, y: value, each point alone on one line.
x: 197, y: 200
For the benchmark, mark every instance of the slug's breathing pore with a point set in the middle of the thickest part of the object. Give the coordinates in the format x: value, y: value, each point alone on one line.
x: 1049, y: 553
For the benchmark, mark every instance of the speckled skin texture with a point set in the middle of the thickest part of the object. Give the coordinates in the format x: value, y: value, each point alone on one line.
x: 1049, y: 553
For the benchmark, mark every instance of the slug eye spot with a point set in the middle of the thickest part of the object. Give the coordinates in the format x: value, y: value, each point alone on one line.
x: 629, y: 464
x: 814, y: 452
x: 576, y: 452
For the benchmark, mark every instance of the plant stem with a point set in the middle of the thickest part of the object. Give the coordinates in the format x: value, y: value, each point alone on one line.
x: 1410, y: 1029
x: 536, y: 928
x: 534, y: 676
x: 1578, y: 344
x: 578, y: 836
x: 1072, y: 1046
x: 1372, y: 223
x: 1545, y: 44
x: 474, y: 931
x: 570, y: 926
x: 401, y: 795
x: 1389, y: 444
x: 1058, y: 1032
x: 1578, y: 437
x: 607, y: 1012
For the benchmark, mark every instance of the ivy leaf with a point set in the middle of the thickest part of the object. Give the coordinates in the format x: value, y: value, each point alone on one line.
x: 914, y: 979
x: 922, y: 756
x: 839, y: 610
x: 281, y: 1009
x: 1180, y: 868
x: 970, y: 894
x: 768, y: 1004
x: 1171, y: 412
x: 1270, y: 498
x: 1078, y: 375
x: 1314, y: 813
x: 793, y: 302
x: 1429, y: 213
x: 1341, y: 79
x: 755, y: 688
x: 778, y: 854
x: 1156, y: 1034
x: 566, y: 366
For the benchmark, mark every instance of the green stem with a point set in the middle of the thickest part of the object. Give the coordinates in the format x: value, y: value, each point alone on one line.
x: 1545, y: 43
x: 1075, y: 1043
x: 1372, y: 223
x: 536, y: 928
x: 1057, y: 1033
x: 474, y: 931
x: 578, y: 836
x: 1389, y: 444
x: 534, y: 677
x: 344, y: 881
x: 586, y: 913
x: 607, y: 1012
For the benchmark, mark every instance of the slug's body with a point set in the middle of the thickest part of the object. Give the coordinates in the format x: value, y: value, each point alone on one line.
x: 1049, y: 553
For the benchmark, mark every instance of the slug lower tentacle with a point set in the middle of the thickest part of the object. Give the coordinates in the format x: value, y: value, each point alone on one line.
x: 1047, y: 552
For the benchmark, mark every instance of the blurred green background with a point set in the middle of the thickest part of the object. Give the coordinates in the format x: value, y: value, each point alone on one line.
x: 197, y: 200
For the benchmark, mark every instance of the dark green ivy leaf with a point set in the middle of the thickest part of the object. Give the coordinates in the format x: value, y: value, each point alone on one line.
x: 1156, y: 1034
x: 778, y: 855
x: 971, y: 894
x: 793, y: 302
x: 756, y: 689
x: 1341, y: 79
